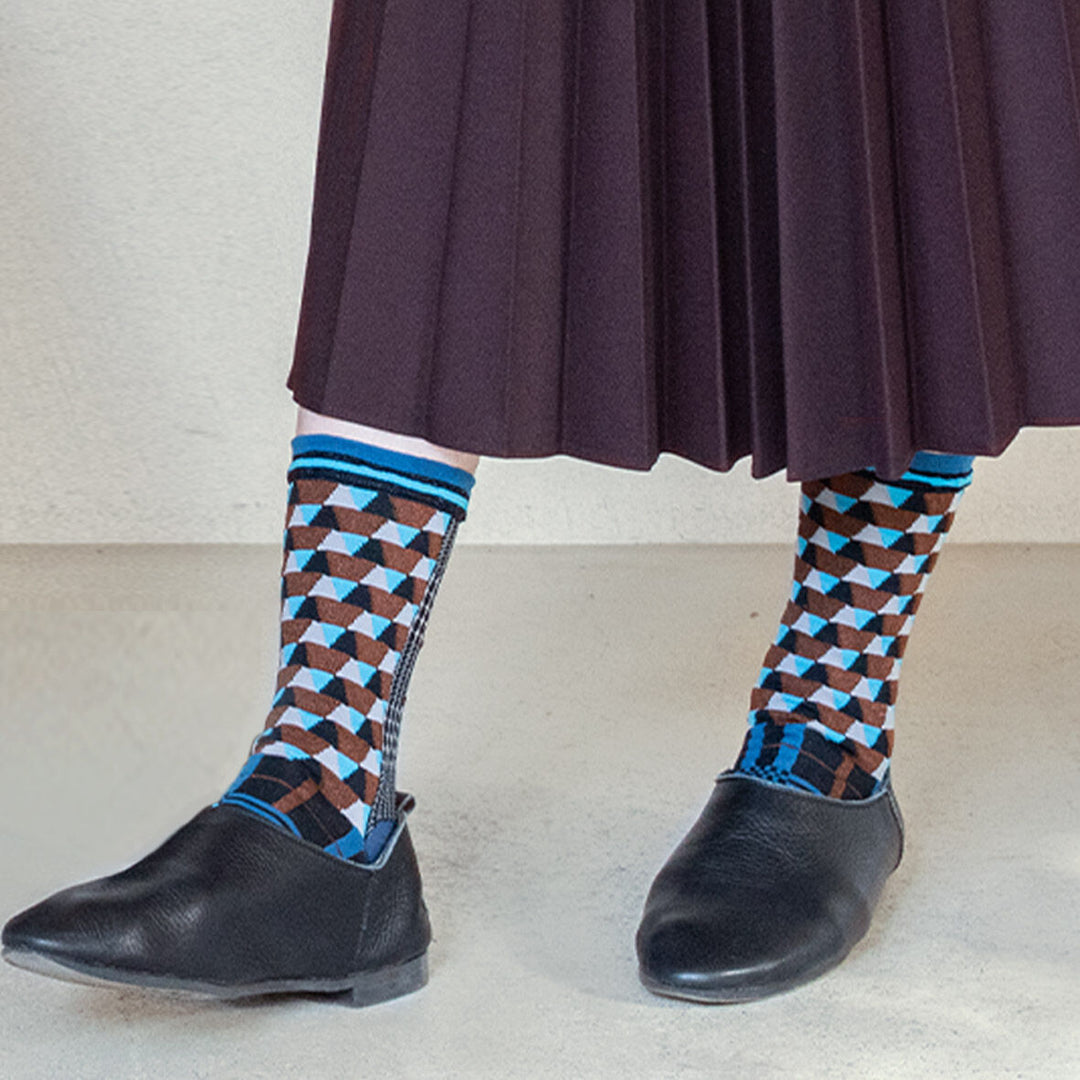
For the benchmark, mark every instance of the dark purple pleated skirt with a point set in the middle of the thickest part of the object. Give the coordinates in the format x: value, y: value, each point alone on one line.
x: 826, y: 235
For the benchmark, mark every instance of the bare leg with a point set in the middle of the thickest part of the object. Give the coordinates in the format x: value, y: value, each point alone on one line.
x: 312, y: 423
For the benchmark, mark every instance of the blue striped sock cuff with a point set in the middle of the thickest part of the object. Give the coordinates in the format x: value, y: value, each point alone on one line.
x: 940, y: 470
x: 360, y: 464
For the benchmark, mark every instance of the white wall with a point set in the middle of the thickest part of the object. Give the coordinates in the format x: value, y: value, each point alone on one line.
x: 156, y: 164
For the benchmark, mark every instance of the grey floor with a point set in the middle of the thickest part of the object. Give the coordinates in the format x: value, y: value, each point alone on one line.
x: 565, y: 723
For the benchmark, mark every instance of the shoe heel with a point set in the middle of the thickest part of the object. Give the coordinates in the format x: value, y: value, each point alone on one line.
x: 371, y: 987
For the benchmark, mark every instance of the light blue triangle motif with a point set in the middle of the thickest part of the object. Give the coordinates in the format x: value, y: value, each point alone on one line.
x: 362, y: 497
x: 406, y: 534
x: 832, y: 736
x: 346, y: 766
x: 836, y: 541
x: 342, y: 587
x: 878, y: 577
x: 320, y: 679
x: 353, y: 542
x: 828, y: 582
x: 898, y: 496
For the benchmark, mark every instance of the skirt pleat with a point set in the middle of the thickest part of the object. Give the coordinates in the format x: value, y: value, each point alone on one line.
x: 822, y: 235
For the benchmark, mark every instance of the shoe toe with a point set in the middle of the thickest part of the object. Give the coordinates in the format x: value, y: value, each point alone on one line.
x: 770, y: 889
x: 35, y: 930
x: 737, y: 955
x: 82, y: 926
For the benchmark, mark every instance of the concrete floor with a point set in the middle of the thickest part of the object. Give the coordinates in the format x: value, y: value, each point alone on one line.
x: 564, y: 727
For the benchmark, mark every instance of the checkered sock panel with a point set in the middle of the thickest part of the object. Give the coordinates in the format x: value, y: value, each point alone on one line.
x: 367, y: 537
x: 822, y: 712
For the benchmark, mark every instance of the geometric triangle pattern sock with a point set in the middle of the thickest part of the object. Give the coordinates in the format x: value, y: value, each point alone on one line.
x: 367, y: 536
x: 822, y: 712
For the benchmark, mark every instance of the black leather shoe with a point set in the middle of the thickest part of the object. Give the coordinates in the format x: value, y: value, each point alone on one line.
x: 231, y: 906
x: 770, y: 888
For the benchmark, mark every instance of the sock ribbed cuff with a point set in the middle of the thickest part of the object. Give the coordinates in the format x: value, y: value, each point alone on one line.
x: 927, y: 466
x: 361, y: 464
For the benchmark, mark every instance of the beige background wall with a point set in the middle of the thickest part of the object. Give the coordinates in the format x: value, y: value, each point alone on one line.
x: 156, y: 165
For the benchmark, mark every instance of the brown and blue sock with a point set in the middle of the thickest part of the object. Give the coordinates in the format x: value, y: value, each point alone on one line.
x: 822, y: 713
x: 367, y: 538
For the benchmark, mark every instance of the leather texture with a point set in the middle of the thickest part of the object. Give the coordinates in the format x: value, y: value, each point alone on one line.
x: 229, y: 905
x: 771, y: 888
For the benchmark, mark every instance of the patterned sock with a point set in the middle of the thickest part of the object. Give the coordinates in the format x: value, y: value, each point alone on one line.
x: 822, y: 712
x: 367, y: 537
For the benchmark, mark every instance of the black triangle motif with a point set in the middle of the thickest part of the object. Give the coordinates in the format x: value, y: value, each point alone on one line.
x: 324, y: 519
x: 861, y: 665
x: 359, y: 597
x: 841, y: 591
x: 381, y: 505
x: 327, y: 730
x: 318, y: 564
x: 298, y: 656
x: 373, y: 552
x: 853, y: 709
x: 861, y: 511
x: 346, y: 643
x: 421, y: 542
x: 335, y: 689
x: 409, y: 589
x: 853, y: 550
x: 893, y: 585
x: 915, y: 502
x: 309, y: 609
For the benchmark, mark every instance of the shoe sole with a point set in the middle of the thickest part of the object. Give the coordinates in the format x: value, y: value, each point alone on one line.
x: 359, y: 990
x: 737, y: 995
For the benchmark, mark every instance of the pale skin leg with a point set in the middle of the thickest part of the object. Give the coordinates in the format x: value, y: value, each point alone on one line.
x: 313, y: 423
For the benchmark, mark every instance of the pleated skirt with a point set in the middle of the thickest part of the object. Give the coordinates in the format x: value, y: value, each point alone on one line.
x: 825, y: 235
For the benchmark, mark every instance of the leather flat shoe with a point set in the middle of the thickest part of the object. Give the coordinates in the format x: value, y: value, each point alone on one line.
x: 232, y: 906
x: 770, y: 888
